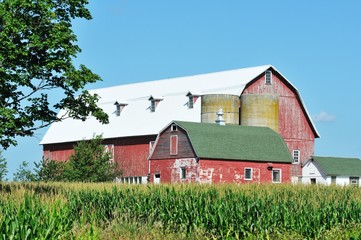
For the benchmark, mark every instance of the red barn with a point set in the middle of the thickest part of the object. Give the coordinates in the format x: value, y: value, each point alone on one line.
x: 187, y: 152
x: 256, y: 96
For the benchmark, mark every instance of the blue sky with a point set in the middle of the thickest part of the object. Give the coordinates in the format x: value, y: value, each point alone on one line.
x: 314, y: 44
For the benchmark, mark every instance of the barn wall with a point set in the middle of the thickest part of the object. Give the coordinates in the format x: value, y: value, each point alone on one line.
x: 130, y: 153
x: 293, y: 125
x: 222, y: 171
x: 170, y: 170
x: 59, y: 151
x: 185, y: 149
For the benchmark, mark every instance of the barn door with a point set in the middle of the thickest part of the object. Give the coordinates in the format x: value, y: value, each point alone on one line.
x: 157, y: 178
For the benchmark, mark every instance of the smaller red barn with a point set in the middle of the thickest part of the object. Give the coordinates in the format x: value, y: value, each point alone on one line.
x: 186, y: 152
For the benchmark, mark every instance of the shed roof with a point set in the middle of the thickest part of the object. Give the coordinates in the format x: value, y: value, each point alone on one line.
x: 336, y: 166
x: 236, y: 142
x: 137, y: 120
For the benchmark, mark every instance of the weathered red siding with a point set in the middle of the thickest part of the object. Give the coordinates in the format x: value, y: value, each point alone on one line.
x: 216, y: 171
x: 130, y: 153
x: 170, y: 170
x: 222, y: 171
x: 185, y: 149
x: 59, y: 151
x: 293, y: 124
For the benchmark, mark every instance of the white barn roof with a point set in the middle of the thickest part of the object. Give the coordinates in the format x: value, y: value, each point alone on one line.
x: 136, y: 119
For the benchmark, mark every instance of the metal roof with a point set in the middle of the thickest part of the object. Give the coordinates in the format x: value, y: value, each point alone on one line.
x: 136, y: 119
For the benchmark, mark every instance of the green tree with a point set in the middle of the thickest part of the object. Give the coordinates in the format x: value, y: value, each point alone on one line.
x: 24, y: 174
x: 48, y: 170
x: 3, y: 167
x: 91, y: 163
x: 37, y: 45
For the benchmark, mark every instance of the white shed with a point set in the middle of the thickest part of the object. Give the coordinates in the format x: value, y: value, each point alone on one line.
x: 332, y: 170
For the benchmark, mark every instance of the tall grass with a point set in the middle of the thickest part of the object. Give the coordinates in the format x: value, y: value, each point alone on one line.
x: 103, y: 211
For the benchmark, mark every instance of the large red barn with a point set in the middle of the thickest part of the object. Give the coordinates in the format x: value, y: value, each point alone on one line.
x: 255, y: 96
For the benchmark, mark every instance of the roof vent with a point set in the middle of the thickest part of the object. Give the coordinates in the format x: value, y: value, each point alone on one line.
x: 220, y: 119
x: 154, y: 101
x: 119, y: 108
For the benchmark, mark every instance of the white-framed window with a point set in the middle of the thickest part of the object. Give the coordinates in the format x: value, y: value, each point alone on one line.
x: 276, y: 175
x: 296, y: 156
x: 151, y: 145
x: 248, y: 173
x: 109, y: 149
x: 183, y: 174
x: 268, y: 77
x: 354, y: 180
x: 173, y: 142
x: 173, y: 127
x: 333, y: 179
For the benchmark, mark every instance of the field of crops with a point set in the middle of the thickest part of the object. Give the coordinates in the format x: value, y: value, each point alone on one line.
x: 113, y: 211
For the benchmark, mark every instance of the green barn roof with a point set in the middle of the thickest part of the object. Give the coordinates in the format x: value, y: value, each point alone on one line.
x: 236, y: 142
x: 339, y: 166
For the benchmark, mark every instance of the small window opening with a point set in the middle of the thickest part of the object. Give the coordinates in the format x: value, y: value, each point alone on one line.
x: 268, y: 76
x: 109, y: 149
x: 296, y: 156
x: 276, y: 175
x: 354, y: 180
x: 173, y: 128
x: 248, y: 174
x: 183, y: 173
x: 173, y: 145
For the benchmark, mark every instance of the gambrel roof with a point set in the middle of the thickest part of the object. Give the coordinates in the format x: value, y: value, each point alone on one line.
x: 136, y: 119
x: 234, y: 142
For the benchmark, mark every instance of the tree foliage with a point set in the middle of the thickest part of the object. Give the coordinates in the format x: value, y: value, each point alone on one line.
x: 3, y: 168
x: 89, y: 163
x: 24, y: 173
x: 48, y: 170
x: 36, y: 52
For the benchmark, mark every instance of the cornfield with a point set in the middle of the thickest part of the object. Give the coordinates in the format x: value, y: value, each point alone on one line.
x: 113, y: 211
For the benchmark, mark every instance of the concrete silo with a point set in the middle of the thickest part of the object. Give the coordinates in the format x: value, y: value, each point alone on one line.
x: 260, y: 110
x: 211, y: 103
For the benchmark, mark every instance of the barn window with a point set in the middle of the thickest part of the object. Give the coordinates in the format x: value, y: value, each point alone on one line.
x: 296, y: 156
x: 354, y: 180
x: 109, y: 149
x: 333, y: 179
x: 276, y: 175
x: 268, y: 76
x: 173, y: 128
x: 173, y: 145
x: 248, y: 174
x: 183, y: 173
x: 151, y: 145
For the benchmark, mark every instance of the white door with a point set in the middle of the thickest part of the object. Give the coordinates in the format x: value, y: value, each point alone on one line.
x: 157, y: 178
